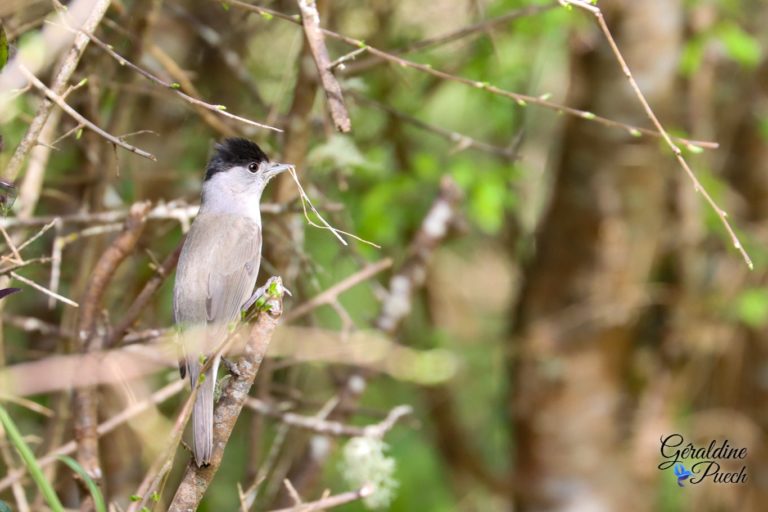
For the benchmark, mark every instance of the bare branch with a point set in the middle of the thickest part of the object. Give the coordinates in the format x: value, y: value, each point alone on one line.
x: 196, y: 480
x: 330, y: 427
x: 310, y: 19
x: 51, y: 95
x: 331, y: 501
x: 697, y: 186
x: 521, y: 99
x: 43, y: 289
x: 59, y: 84
x: 108, y: 426
x: 218, y: 109
x: 85, y: 403
x: 332, y: 293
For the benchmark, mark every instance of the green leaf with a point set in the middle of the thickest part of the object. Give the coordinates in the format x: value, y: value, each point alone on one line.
x: 98, y: 499
x: 15, y: 438
x: 752, y: 307
x: 740, y: 45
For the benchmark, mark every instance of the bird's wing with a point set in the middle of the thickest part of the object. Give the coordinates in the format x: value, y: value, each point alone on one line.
x: 217, y: 272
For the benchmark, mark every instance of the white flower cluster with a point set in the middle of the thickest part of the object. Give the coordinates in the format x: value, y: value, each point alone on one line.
x: 364, y: 463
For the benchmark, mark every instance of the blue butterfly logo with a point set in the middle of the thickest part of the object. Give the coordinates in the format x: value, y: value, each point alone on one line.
x: 681, y: 473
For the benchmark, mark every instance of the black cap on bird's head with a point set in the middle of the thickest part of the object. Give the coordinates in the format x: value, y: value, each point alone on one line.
x: 234, y: 152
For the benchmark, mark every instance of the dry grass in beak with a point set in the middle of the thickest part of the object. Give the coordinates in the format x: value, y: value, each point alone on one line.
x: 306, y: 201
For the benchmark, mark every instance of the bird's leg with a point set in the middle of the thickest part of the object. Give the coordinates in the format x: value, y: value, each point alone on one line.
x: 260, y: 299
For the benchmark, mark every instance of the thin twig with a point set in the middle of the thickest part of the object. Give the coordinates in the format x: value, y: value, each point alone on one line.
x: 164, y: 462
x: 51, y: 95
x: 45, y: 290
x: 310, y: 20
x: 58, y: 86
x: 108, y: 426
x: 521, y: 99
x: 697, y: 186
x: 218, y: 109
x: 329, y: 427
x: 177, y: 210
x: 331, y: 501
x: 197, y: 479
x: 142, y: 299
x: 461, y: 140
x: 333, y: 292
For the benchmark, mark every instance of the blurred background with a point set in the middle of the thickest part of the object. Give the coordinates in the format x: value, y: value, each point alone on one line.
x: 560, y: 297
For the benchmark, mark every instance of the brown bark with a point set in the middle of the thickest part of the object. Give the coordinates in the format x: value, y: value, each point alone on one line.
x: 584, y: 287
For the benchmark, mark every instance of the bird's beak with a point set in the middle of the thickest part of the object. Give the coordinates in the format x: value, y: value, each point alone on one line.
x: 275, y: 169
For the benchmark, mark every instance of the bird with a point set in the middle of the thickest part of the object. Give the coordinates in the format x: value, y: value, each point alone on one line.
x: 217, y: 269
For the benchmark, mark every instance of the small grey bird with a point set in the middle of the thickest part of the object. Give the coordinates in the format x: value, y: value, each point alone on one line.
x: 218, y: 267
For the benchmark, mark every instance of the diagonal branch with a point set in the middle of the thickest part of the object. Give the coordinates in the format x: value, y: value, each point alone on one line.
x: 85, y: 404
x: 697, y: 186
x: 310, y: 19
x: 58, y: 100
x: 69, y: 64
x: 196, y: 480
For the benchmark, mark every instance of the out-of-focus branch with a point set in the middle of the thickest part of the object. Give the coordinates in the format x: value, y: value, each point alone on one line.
x: 413, y: 272
x: 196, y: 480
x: 310, y: 20
x: 85, y: 405
x: 474, y: 29
x: 332, y: 293
x: 218, y: 109
x: 330, y: 501
x: 144, y: 296
x: 58, y: 87
x: 164, y: 211
x: 461, y: 140
x: 58, y: 100
x: 396, y: 305
x: 329, y: 427
x: 108, y: 426
x: 162, y: 466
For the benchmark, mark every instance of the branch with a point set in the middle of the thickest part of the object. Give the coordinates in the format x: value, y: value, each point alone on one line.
x: 697, y: 186
x: 108, y: 426
x: 218, y: 109
x: 164, y: 211
x: 462, y: 141
x: 481, y: 26
x: 331, y: 501
x: 329, y: 295
x: 58, y: 100
x: 310, y: 19
x: 330, y: 427
x: 412, y: 274
x: 521, y: 99
x: 85, y: 404
x: 58, y: 86
x: 196, y: 480
x: 142, y: 299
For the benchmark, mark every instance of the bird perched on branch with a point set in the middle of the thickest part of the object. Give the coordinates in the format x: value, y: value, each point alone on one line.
x: 217, y: 269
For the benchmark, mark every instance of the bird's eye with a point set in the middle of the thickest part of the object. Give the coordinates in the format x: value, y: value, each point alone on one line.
x: 253, y: 167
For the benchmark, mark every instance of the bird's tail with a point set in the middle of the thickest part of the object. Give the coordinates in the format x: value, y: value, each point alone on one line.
x: 202, y: 419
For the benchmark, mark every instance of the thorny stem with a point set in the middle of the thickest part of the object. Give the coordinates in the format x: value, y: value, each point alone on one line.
x: 697, y: 186
x: 521, y: 99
